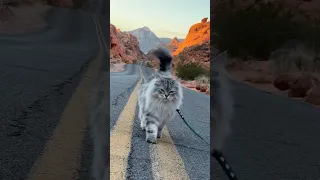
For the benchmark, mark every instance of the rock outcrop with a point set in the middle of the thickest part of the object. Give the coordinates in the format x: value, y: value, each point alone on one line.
x: 313, y: 95
x: 298, y: 84
x: 124, y: 47
x: 199, y: 53
x: 195, y: 47
x: 302, y: 85
x: 284, y: 81
x: 174, y: 44
x: 199, y: 33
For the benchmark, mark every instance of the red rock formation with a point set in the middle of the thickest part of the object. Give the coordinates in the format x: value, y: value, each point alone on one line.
x: 302, y: 85
x: 284, y: 81
x: 198, y: 34
x: 195, y: 47
x: 124, y: 47
x: 314, y: 95
x: 174, y: 44
x: 199, y: 53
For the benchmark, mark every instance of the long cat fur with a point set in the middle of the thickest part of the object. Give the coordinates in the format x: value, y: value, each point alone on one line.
x: 221, y: 104
x: 159, y: 97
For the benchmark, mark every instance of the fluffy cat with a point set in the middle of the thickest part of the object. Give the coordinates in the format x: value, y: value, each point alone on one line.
x: 159, y: 97
x: 221, y: 104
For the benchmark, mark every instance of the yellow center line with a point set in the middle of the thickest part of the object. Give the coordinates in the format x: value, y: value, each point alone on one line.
x: 103, y: 40
x: 167, y: 164
x: 59, y: 160
x: 120, y: 138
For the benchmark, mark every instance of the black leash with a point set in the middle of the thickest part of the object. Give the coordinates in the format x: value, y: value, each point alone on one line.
x: 216, y: 153
x: 224, y: 164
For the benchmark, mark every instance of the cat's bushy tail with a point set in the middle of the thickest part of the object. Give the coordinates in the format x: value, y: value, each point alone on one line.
x: 165, y: 59
x: 221, y: 102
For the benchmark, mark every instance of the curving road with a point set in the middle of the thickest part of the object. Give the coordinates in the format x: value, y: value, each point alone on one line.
x: 273, y: 138
x: 179, y: 154
x: 45, y: 80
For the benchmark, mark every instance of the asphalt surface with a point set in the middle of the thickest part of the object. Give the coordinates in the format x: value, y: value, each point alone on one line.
x: 194, y: 153
x: 273, y: 138
x: 38, y: 74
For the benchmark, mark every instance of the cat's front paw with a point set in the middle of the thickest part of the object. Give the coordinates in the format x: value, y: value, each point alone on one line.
x: 151, y: 139
x: 143, y: 127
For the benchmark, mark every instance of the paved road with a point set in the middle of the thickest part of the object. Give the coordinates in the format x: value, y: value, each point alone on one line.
x: 179, y: 153
x: 43, y: 76
x: 273, y: 138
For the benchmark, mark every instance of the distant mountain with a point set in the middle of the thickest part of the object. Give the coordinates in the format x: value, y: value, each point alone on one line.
x: 167, y: 41
x: 149, y: 40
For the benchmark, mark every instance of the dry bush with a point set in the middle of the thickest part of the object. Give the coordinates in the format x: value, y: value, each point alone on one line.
x: 298, y: 59
x: 202, y: 83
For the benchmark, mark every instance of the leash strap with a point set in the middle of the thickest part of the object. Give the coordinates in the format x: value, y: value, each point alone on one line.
x: 179, y: 112
x: 224, y: 164
x: 216, y: 154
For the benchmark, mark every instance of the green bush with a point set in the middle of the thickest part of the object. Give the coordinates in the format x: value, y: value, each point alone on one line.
x: 190, y: 71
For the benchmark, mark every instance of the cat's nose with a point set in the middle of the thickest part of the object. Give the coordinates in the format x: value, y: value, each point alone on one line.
x: 166, y: 96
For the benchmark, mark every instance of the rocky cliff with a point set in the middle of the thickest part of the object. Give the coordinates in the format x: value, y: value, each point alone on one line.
x: 174, y: 44
x: 124, y: 47
x: 199, y: 33
x: 196, y: 46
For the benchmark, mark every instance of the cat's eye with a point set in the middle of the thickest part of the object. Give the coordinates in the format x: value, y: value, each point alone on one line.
x: 161, y: 90
x: 172, y: 92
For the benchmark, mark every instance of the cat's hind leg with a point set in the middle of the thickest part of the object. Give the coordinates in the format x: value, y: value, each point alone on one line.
x: 151, y: 128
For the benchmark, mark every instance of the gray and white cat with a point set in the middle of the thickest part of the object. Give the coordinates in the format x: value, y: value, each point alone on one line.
x: 221, y: 104
x: 159, y: 97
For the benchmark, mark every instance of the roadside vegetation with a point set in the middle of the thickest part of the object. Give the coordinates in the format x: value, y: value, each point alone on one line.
x: 283, y: 38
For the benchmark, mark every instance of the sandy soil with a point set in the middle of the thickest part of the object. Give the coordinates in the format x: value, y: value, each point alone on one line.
x: 26, y: 19
x: 119, y: 67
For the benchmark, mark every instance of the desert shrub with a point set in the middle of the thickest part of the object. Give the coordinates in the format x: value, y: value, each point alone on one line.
x: 300, y: 58
x: 202, y: 80
x: 190, y: 70
x: 203, y: 83
x: 149, y: 64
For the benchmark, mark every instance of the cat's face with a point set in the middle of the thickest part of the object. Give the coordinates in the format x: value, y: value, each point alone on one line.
x: 166, y: 89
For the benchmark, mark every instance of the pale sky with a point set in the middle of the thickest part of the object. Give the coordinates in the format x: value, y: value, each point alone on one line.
x: 166, y: 18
